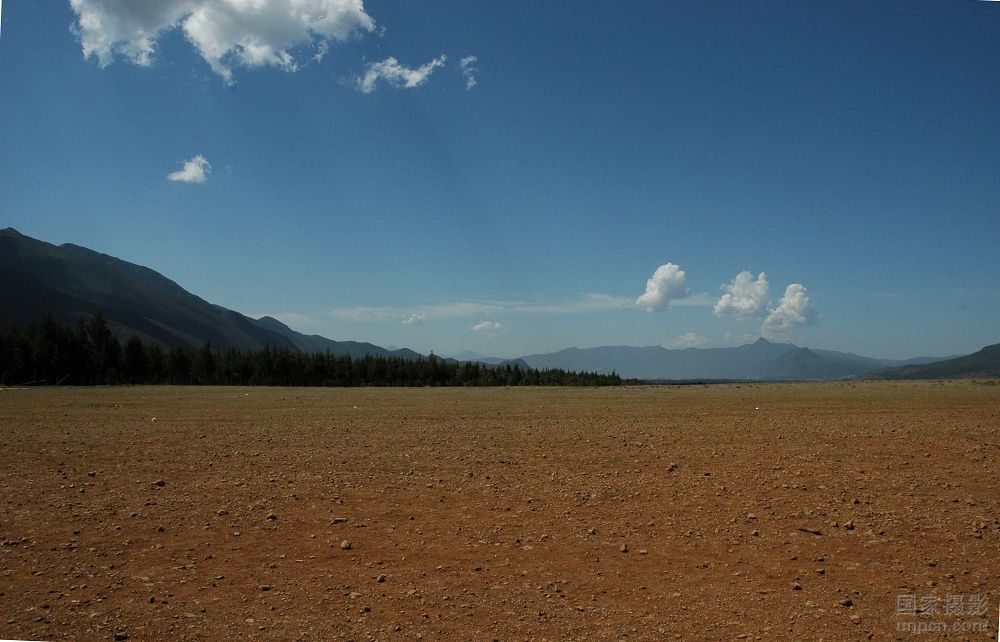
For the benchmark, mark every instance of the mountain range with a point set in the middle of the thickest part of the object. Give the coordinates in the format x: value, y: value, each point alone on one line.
x: 69, y: 282
x: 982, y: 364
x: 761, y: 359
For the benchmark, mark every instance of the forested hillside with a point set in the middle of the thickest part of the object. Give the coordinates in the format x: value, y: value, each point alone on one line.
x: 47, y: 352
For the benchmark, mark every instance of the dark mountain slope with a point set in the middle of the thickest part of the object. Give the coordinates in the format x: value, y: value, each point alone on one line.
x: 69, y: 282
x: 982, y: 364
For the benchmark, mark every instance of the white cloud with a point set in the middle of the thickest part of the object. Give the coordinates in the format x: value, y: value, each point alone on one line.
x: 227, y: 33
x: 667, y: 284
x: 195, y: 170
x: 487, y: 327
x: 397, y: 75
x: 469, y: 71
x: 688, y: 340
x: 414, y: 319
x: 744, y: 298
x: 794, y: 310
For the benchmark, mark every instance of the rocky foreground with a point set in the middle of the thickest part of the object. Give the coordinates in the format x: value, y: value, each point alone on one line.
x: 768, y: 512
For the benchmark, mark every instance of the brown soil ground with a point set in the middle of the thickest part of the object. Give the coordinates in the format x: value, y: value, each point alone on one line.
x: 761, y: 512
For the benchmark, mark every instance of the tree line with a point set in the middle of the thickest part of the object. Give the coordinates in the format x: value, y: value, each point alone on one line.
x: 47, y: 352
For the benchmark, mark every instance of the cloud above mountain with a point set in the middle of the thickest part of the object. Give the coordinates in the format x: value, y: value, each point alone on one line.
x: 667, y: 284
x: 794, y: 310
x: 488, y: 328
x: 744, y: 297
x: 689, y: 339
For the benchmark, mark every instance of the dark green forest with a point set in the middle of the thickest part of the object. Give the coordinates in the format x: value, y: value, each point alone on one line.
x: 50, y: 353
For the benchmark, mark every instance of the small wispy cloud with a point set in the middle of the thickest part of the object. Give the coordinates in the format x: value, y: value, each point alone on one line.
x: 394, y: 74
x: 487, y: 327
x: 414, y: 319
x: 667, y: 284
x: 195, y: 170
x: 688, y: 340
x: 470, y: 72
x: 321, y: 50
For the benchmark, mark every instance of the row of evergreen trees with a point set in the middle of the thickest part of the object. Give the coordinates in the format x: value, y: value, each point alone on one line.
x: 49, y: 353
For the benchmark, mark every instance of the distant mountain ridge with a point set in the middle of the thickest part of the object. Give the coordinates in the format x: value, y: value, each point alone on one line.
x: 982, y: 364
x: 68, y: 282
x: 317, y: 343
x: 761, y: 360
x: 475, y: 357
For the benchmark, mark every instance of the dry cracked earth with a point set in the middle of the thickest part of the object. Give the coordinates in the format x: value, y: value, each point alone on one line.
x: 838, y: 511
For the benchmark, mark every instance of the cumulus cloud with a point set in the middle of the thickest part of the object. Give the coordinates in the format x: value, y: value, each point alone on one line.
x: 469, y: 71
x: 397, y: 75
x: 487, y: 327
x: 743, y: 297
x: 195, y: 170
x: 226, y: 33
x: 794, y: 310
x: 688, y: 340
x: 414, y: 319
x: 667, y: 284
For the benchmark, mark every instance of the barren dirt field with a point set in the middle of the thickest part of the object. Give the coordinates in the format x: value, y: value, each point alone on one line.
x: 841, y: 511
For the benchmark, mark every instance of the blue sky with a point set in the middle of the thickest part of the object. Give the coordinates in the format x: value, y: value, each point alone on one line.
x: 524, y: 201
